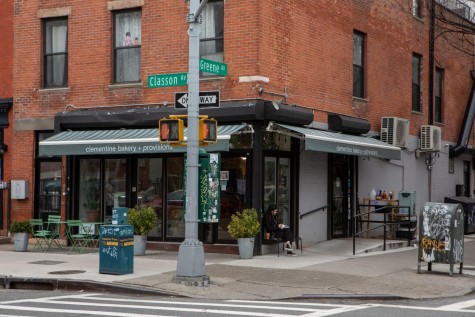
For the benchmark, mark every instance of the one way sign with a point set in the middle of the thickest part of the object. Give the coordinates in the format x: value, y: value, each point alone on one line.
x: 208, y: 99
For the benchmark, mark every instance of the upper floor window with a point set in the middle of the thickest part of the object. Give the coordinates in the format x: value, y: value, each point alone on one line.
x: 55, y: 53
x: 127, y: 46
x: 212, y: 32
x: 358, y: 64
x: 416, y: 8
x: 416, y: 82
x: 439, y: 81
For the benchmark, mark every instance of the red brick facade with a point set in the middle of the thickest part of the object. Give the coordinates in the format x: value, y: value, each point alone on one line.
x: 6, y: 88
x: 304, y: 48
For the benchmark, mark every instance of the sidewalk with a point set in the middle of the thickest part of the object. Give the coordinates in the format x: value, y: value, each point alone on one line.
x: 323, y: 270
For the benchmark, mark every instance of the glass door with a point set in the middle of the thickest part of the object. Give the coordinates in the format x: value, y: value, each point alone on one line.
x: 341, y: 191
x: 115, y: 193
x: 277, y: 186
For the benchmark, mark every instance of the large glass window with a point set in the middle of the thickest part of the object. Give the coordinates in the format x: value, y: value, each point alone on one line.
x: 358, y: 64
x: 49, y: 188
x: 149, y: 189
x: 175, y: 186
x: 89, y: 190
x: 127, y: 46
x: 55, y: 53
x: 212, y: 32
x: 439, y: 81
x: 416, y: 82
x: 115, y: 193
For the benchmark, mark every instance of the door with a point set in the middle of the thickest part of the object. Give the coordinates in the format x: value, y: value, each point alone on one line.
x: 342, y: 194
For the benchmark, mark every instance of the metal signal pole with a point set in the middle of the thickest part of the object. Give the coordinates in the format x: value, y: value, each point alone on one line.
x: 191, y: 262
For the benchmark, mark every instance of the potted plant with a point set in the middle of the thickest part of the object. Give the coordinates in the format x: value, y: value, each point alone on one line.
x: 144, y: 219
x: 21, y: 232
x: 92, y: 201
x: 244, y: 226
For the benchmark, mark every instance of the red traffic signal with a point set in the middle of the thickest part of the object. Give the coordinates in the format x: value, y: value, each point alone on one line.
x: 171, y: 130
x: 208, y: 130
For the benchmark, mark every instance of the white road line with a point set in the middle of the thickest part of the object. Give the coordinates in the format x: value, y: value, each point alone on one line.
x: 340, y: 310
x: 41, y: 299
x: 275, y: 305
x: 174, y: 308
x: 14, y: 316
x: 82, y: 312
x: 458, y: 306
x: 442, y: 308
x: 284, y: 304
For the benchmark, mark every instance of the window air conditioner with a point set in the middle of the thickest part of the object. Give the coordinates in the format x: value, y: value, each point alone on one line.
x: 394, y: 130
x: 431, y: 138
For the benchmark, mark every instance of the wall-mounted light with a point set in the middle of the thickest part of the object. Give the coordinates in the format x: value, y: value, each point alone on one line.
x: 261, y: 90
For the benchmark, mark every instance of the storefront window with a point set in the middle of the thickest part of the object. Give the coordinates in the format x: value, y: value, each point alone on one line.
x: 89, y: 190
x: 175, y: 185
x: 49, y: 188
x: 114, y: 186
x: 276, y: 141
x: 233, y: 192
x: 149, y: 189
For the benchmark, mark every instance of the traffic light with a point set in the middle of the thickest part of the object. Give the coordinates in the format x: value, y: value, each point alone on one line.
x: 171, y: 130
x: 208, y: 130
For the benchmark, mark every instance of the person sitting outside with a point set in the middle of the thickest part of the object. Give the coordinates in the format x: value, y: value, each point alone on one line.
x: 277, y: 229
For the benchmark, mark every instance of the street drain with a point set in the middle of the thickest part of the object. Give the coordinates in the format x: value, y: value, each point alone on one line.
x: 67, y: 272
x: 47, y: 262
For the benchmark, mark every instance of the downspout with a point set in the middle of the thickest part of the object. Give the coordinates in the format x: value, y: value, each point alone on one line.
x: 431, y: 62
x: 431, y: 83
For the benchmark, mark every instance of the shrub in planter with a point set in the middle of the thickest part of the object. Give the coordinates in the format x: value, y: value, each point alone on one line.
x: 244, y: 224
x: 144, y: 219
x: 21, y: 231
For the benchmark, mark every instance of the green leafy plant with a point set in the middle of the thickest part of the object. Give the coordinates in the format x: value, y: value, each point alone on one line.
x: 143, y: 218
x: 21, y: 227
x: 92, y: 195
x: 244, y: 224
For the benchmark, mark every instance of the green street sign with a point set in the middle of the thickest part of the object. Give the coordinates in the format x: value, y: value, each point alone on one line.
x: 167, y: 80
x: 213, y: 67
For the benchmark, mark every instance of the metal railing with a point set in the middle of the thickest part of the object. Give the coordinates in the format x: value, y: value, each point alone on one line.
x: 382, y: 210
x: 312, y: 211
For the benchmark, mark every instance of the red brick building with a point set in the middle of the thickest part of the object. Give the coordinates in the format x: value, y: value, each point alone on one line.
x: 85, y: 65
x: 6, y: 100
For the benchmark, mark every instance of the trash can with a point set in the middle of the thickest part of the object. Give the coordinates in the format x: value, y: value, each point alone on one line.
x: 468, y: 205
x: 116, y: 249
x: 120, y: 215
x: 441, y: 235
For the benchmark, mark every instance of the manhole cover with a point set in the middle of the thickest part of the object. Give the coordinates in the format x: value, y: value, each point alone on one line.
x: 67, y: 272
x: 46, y: 262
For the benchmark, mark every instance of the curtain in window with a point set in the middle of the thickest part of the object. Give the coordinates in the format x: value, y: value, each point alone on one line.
x: 128, y: 36
x: 56, y: 49
x: 212, y: 29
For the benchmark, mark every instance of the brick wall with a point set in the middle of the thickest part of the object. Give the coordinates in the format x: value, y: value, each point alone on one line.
x: 303, y: 47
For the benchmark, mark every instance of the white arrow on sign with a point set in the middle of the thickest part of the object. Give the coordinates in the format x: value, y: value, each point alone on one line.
x: 204, y: 100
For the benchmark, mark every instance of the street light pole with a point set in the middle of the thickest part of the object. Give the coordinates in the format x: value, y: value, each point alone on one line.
x: 191, y: 262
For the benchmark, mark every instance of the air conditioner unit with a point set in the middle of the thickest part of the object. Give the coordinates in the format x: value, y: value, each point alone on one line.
x: 431, y: 138
x: 394, y: 130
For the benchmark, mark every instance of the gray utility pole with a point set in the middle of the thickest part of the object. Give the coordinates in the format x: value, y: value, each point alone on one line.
x: 190, y: 269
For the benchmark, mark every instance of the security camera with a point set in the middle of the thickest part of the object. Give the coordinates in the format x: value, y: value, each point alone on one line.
x: 260, y: 90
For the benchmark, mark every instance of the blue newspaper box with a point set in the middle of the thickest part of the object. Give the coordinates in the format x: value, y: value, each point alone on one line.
x: 116, y: 249
x: 120, y: 215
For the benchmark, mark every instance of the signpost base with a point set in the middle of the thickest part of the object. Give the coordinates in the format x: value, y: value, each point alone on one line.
x: 191, y: 269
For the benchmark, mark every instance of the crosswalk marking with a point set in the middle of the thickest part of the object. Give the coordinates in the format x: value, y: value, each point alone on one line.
x: 129, y: 307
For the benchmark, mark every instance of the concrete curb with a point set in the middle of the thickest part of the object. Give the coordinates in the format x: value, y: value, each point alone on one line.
x: 11, y: 282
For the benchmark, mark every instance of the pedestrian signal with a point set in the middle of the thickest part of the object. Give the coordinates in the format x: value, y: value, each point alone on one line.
x: 208, y: 130
x: 171, y: 130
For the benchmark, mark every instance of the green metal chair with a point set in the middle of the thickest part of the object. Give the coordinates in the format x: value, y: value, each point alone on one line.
x: 78, y: 239
x: 41, y: 235
x: 54, y: 228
